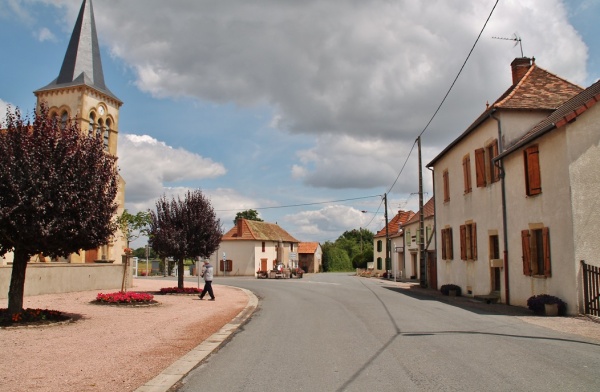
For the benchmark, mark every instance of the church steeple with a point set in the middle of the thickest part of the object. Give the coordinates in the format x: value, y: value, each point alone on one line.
x: 82, y: 64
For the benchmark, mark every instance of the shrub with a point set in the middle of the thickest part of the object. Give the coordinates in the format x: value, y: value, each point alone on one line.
x: 445, y: 289
x: 31, y: 316
x: 536, y: 303
x: 177, y: 290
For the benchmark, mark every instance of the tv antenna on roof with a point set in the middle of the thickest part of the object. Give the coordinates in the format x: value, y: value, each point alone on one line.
x: 515, y: 38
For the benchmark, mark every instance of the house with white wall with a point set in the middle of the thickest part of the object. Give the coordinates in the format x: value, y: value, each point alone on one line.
x: 310, y: 257
x: 379, y: 241
x: 552, y: 206
x: 471, y: 192
x: 252, y: 246
x: 410, y: 265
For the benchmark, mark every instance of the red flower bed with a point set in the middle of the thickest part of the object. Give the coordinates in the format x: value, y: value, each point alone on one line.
x: 121, y: 297
x: 31, y: 316
x: 177, y: 290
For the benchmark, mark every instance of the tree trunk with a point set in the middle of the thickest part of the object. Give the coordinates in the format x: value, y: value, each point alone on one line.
x: 180, y: 273
x: 17, y: 282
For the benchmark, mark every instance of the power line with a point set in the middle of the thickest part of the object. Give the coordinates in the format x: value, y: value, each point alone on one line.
x: 303, y: 205
x: 447, y: 93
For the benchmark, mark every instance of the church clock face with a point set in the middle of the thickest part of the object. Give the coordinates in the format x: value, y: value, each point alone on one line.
x: 101, y: 110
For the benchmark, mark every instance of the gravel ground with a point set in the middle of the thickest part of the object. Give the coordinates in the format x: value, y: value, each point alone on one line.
x: 109, y: 348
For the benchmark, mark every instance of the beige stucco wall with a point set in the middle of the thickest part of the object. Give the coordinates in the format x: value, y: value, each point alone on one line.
x: 482, y: 206
x: 42, y: 278
x: 548, y: 209
x: 412, y: 246
x: 247, y: 254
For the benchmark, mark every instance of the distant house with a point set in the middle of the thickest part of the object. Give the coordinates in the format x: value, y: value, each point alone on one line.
x: 481, y: 207
x: 251, y: 246
x: 310, y: 256
x: 393, y: 233
x: 410, y: 264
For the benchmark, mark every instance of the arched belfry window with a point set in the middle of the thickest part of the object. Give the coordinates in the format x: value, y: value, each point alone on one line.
x: 64, y: 117
x: 107, y: 133
x: 100, y: 128
x: 92, y: 121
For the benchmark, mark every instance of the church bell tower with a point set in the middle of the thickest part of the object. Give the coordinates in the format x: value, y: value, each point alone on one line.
x: 79, y: 93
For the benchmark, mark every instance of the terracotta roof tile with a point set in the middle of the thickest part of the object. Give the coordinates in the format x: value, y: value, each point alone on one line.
x: 258, y: 231
x: 566, y: 113
x: 428, y: 211
x: 396, y: 222
x: 538, y: 89
x: 308, y: 247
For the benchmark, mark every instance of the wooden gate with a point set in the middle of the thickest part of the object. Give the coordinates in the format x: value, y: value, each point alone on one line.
x: 591, y: 284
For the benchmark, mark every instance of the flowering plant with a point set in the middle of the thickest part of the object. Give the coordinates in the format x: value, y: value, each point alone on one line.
x: 177, y: 290
x: 128, y: 250
x: 121, y: 297
x: 536, y: 303
x: 30, y: 316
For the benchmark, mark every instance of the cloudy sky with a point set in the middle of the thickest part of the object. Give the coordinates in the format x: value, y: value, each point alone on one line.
x: 306, y: 111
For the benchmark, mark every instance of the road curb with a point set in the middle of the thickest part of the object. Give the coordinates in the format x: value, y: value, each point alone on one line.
x: 180, y: 368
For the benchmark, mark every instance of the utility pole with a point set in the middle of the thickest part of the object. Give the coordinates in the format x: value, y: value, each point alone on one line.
x: 387, y: 235
x: 422, y: 261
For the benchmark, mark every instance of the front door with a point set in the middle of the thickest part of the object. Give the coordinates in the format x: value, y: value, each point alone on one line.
x: 432, y: 269
x: 263, y: 264
x: 91, y: 255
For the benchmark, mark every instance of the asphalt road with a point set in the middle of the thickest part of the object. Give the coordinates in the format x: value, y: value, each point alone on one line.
x: 337, y: 332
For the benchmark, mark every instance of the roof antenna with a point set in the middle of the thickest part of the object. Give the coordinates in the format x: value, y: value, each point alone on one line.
x: 515, y: 38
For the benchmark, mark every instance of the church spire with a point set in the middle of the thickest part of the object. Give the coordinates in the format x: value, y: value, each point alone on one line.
x: 82, y: 63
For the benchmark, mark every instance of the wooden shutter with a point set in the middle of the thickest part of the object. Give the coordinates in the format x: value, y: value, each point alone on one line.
x: 463, y: 242
x: 444, y: 243
x: 446, y: 186
x: 451, y: 246
x: 525, y: 236
x: 221, y: 265
x: 467, y: 173
x: 474, y: 240
x: 496, y: 170
x: 546, y: 244
x: 480, y: 167
x: 533, y: 179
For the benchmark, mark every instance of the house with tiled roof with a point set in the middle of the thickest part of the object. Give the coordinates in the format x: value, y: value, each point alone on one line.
x: 395, y: 236
x: 472, y: 190
x: 552, y: 207
x: 310, y: 257
x: 252, y: 246
x: 411, y: 252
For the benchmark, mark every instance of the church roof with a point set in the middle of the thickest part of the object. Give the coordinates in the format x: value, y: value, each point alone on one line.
x: 82, y: 64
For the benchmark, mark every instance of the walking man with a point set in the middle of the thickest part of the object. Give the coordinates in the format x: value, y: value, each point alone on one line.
x: 207, y: 274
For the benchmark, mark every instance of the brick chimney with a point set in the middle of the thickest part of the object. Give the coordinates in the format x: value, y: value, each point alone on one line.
x: 240, y: 227
x: 519, y: 67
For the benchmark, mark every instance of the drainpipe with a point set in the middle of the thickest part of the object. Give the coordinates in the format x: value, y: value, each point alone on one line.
x: 504, y: 228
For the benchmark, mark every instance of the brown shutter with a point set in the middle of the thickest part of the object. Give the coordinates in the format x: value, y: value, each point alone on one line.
x: 546, y: 244
x: 463, y: 242
x: 451, y: 247
x: 480, y: 167
x: 526, y: 252
x: 467, y: 173
x: 444, y: 239
x: 474, y: 239
x: 496, y: 170
x: 532, y: 174
x: 446, y: 186
x: 220, y: 265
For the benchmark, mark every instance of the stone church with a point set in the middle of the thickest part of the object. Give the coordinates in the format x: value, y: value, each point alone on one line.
x: 80, y: 93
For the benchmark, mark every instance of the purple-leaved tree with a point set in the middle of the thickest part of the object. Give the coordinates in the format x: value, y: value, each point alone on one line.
x: 57, y: 192
x: 185, y: 228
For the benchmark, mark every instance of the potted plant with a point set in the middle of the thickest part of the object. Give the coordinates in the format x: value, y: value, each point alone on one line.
x: 451, y: 289
x: 546, y: 304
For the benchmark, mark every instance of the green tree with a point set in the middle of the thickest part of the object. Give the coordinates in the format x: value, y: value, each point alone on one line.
x: 57, y: 192
x: 134, y: 226
x: 338, y: 260
x: 185, y: 228
x: 248, y: 214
